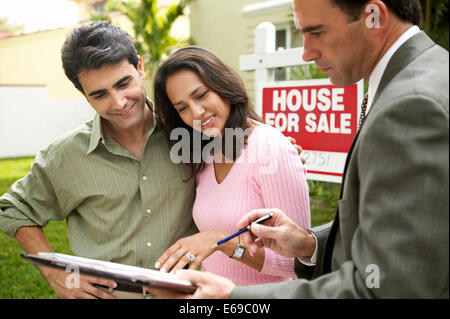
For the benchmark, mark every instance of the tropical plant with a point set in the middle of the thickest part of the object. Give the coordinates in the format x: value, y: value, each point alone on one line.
x: 151, y: 26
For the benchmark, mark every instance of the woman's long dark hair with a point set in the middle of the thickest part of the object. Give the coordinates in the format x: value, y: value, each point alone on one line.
x: 217, y: 77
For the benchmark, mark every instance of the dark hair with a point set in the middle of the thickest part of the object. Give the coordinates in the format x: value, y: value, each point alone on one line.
x: 406, y: 10
x: 220, y: 79
x: 91, y: 45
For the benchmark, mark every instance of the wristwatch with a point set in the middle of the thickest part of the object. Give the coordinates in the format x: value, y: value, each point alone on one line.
x: 239, y: 251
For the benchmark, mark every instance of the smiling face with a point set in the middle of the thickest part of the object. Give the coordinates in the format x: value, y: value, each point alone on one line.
x: 339, y: 46
x: 117, y: 93
x: 198, y: 106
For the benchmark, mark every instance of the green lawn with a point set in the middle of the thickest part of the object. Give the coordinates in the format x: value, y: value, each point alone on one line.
x: 20, y: 279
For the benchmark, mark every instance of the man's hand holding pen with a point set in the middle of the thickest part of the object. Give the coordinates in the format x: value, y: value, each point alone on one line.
x: 279, y: 234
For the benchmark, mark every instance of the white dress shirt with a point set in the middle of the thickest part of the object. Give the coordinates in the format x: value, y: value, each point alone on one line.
x: 374, y: 82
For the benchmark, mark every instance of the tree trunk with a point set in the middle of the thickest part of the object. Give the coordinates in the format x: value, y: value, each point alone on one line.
x: 427, y: 23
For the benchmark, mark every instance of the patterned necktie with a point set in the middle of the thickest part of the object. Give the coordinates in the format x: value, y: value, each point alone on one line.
x: 362, y: 116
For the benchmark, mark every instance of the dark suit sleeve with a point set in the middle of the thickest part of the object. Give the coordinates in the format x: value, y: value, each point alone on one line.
x: 309, y: 272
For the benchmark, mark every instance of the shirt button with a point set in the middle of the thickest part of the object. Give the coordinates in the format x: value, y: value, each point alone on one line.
x: 148, y: 211
x: 149, y: 244
x: 144, y: 178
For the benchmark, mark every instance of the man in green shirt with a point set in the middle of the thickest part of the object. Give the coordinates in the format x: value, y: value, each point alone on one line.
x: 112, y: 178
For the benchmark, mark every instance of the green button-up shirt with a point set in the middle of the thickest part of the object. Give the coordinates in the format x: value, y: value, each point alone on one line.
x: 117, y: 208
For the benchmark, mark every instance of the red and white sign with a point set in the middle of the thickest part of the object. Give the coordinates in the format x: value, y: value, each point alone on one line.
x: 321, y: 117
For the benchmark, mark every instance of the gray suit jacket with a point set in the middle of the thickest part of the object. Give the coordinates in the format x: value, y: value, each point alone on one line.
x: 390, y: 236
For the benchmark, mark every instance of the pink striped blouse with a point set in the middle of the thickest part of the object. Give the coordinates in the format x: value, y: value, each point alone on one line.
x: 267, y: 174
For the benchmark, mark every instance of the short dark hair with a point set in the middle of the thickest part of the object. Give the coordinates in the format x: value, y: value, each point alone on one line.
x: 406, y: 10
x: 219, y: 78
x: 91, y: 45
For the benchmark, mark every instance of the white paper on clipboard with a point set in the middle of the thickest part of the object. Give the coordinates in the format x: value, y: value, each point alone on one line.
x: 131, y: 275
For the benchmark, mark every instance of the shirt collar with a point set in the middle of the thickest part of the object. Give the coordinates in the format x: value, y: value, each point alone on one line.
x: 377, y: 73
x: 97, y: 132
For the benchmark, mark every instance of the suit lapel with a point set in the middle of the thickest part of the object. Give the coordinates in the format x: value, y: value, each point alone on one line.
x: 326, y: 266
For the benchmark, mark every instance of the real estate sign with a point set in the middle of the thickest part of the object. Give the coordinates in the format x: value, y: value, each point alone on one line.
x: 321, y: 117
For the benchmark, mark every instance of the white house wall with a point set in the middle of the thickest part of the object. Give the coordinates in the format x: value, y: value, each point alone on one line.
x: 29, y: 120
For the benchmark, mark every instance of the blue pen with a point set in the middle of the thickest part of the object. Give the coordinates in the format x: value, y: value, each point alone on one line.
x: 259, y: 221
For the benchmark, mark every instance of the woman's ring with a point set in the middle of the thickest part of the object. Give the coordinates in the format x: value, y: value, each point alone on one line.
x: 190, y: 256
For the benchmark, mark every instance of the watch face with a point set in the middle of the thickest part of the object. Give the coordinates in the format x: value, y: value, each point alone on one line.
x: 238, y: 252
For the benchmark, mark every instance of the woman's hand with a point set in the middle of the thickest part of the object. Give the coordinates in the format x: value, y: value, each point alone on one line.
x: 201, y: 245
x: 298, y: 148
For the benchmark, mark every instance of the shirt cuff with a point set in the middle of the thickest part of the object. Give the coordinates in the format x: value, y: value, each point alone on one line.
x: 11, y: 225
x: 310, y: 261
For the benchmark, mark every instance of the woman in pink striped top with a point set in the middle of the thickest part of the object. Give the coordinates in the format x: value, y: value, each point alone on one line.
x: 195, y: 92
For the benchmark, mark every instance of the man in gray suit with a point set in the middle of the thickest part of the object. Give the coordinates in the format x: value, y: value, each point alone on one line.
x: 390, y: 236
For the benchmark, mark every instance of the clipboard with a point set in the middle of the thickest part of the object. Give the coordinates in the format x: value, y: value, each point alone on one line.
x: 123, y: 274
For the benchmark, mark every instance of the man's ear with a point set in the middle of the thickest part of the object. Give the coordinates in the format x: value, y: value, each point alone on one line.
x: 376, y: 16
x: 140, y: 67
